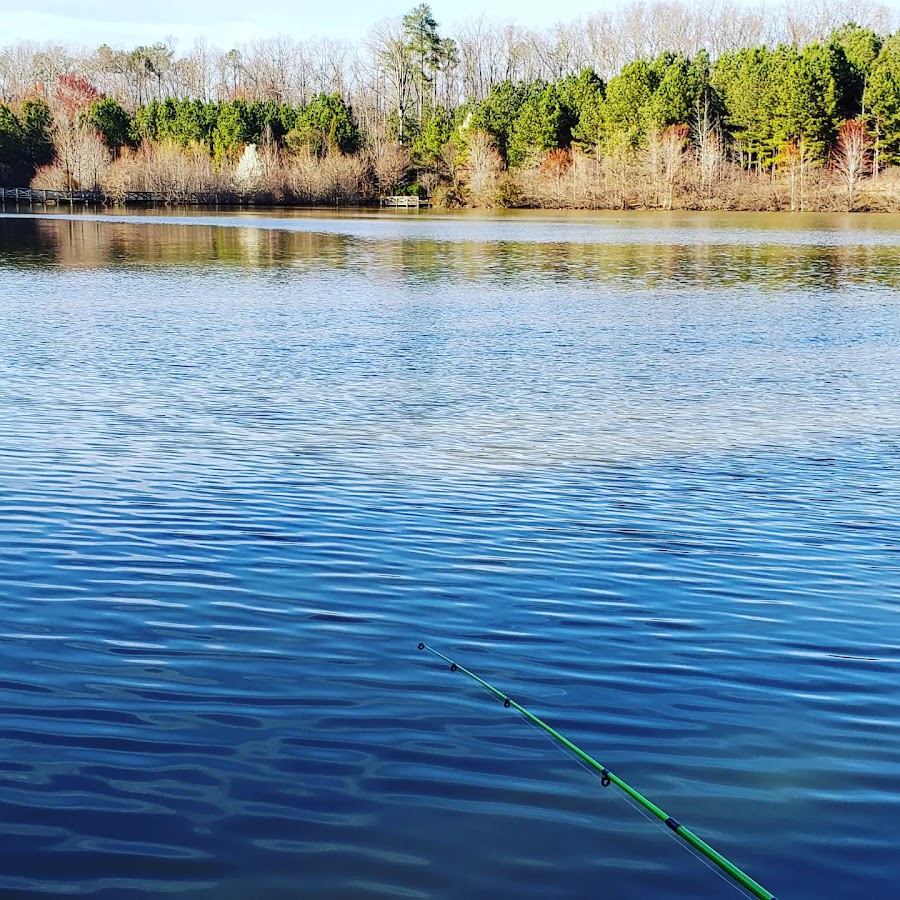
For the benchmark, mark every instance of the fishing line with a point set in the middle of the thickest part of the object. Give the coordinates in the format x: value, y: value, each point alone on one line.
x: 608, y: 778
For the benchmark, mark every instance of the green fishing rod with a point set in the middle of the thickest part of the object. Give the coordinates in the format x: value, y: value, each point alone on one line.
x: 607, y: 778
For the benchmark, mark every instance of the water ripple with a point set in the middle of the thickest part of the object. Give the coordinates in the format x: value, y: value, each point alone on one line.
x: 640, y: 475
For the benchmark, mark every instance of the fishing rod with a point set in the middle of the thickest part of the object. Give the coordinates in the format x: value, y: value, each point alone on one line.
x: 607, y: 778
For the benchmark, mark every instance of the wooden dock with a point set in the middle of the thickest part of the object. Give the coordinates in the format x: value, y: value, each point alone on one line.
x: 48, y: 198
x: 404, y: 200
x: 35, y: 197
x: 32, y: 196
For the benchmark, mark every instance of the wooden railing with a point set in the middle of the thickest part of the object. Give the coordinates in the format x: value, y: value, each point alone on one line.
x: 100, y: 198
x: 403, y: 200
x: 29, y: 195
x: 32, y: 196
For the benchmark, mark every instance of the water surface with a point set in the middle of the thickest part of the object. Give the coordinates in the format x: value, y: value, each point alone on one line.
x: 640, y: 472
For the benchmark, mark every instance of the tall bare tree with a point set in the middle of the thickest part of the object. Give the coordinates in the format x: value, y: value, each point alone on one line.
x: 393, y: 59
x: 851, y: 160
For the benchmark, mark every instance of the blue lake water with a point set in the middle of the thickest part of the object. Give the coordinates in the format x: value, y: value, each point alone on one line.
x: 642, y: 473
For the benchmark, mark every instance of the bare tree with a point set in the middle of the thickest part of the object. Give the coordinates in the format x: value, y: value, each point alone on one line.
x: 331, y: 66
x: 391, y: 55
x: 709, y: 145
x: 616, y: 158
x: 674, y: 143
x: 556, y: 164
x: 795, y: 161
x: 82, y: 159
x: 197, y: 70
x: 230, y: 74
x: 484, y: 168
x: 269, y: 68
x: 664, y: 158
x: 606, y: 51
x: 800, y: 22
x: 653, y: 158
x: 481, y: 56
x: 851, y: 159
x: 391, y: 166
x: 729, y: 26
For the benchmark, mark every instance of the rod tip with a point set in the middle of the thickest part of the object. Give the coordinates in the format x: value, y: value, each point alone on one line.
x: 421, y: 645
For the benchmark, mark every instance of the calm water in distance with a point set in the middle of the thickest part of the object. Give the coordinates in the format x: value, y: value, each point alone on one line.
x: 642, y: 472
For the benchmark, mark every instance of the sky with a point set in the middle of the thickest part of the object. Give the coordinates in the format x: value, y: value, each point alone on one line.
x: 125, y: 23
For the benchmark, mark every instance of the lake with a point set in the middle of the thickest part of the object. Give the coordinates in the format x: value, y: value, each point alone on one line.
x: 640, y: 472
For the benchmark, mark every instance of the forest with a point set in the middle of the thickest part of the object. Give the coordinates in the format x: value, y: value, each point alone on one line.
x: 659, y: 105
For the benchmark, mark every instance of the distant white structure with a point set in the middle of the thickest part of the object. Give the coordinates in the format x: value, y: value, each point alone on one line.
x: 250, y: 172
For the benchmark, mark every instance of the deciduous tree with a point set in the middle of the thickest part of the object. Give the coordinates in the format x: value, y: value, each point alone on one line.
x: 851, y: 160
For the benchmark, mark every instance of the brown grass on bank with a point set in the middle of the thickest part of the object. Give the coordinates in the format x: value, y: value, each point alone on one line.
x: 178, y: 174
x: 668, y: 178
x: 332, y: 179
x: 174, y: 173
x: 881, y: 193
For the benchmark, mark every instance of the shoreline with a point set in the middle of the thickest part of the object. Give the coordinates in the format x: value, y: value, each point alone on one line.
x: 50, y: 200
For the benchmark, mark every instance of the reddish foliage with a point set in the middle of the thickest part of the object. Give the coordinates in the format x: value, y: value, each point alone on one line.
x: 853, y: 148
x: 853, y: 129
x: 75, y: 94
x: 557, y: 162
x: 790, y: 151
x: 677, y: 134
x: 851, y: 160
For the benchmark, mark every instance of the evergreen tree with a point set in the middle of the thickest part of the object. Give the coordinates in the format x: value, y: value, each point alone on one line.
x: 497, y: 113
x: 583, y: 98
x: 804, y: 99
x: 743, y: 82
x: 424, y: 46
x: 326, y: 123
x: 234, y: 129
x: 860, y: 47
x: 682, y: 82
x: 145, y: 123
x: 110, y: 121
x: 11, y: 138
x: 628, y: 107
x: 37, y: 133
x: 543, y: 123
x: 882, y: 99
x: 25, y: 140
x: 429, y: 144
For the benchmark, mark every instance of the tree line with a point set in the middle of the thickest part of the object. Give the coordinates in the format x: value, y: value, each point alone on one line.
x: 548, y: 123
